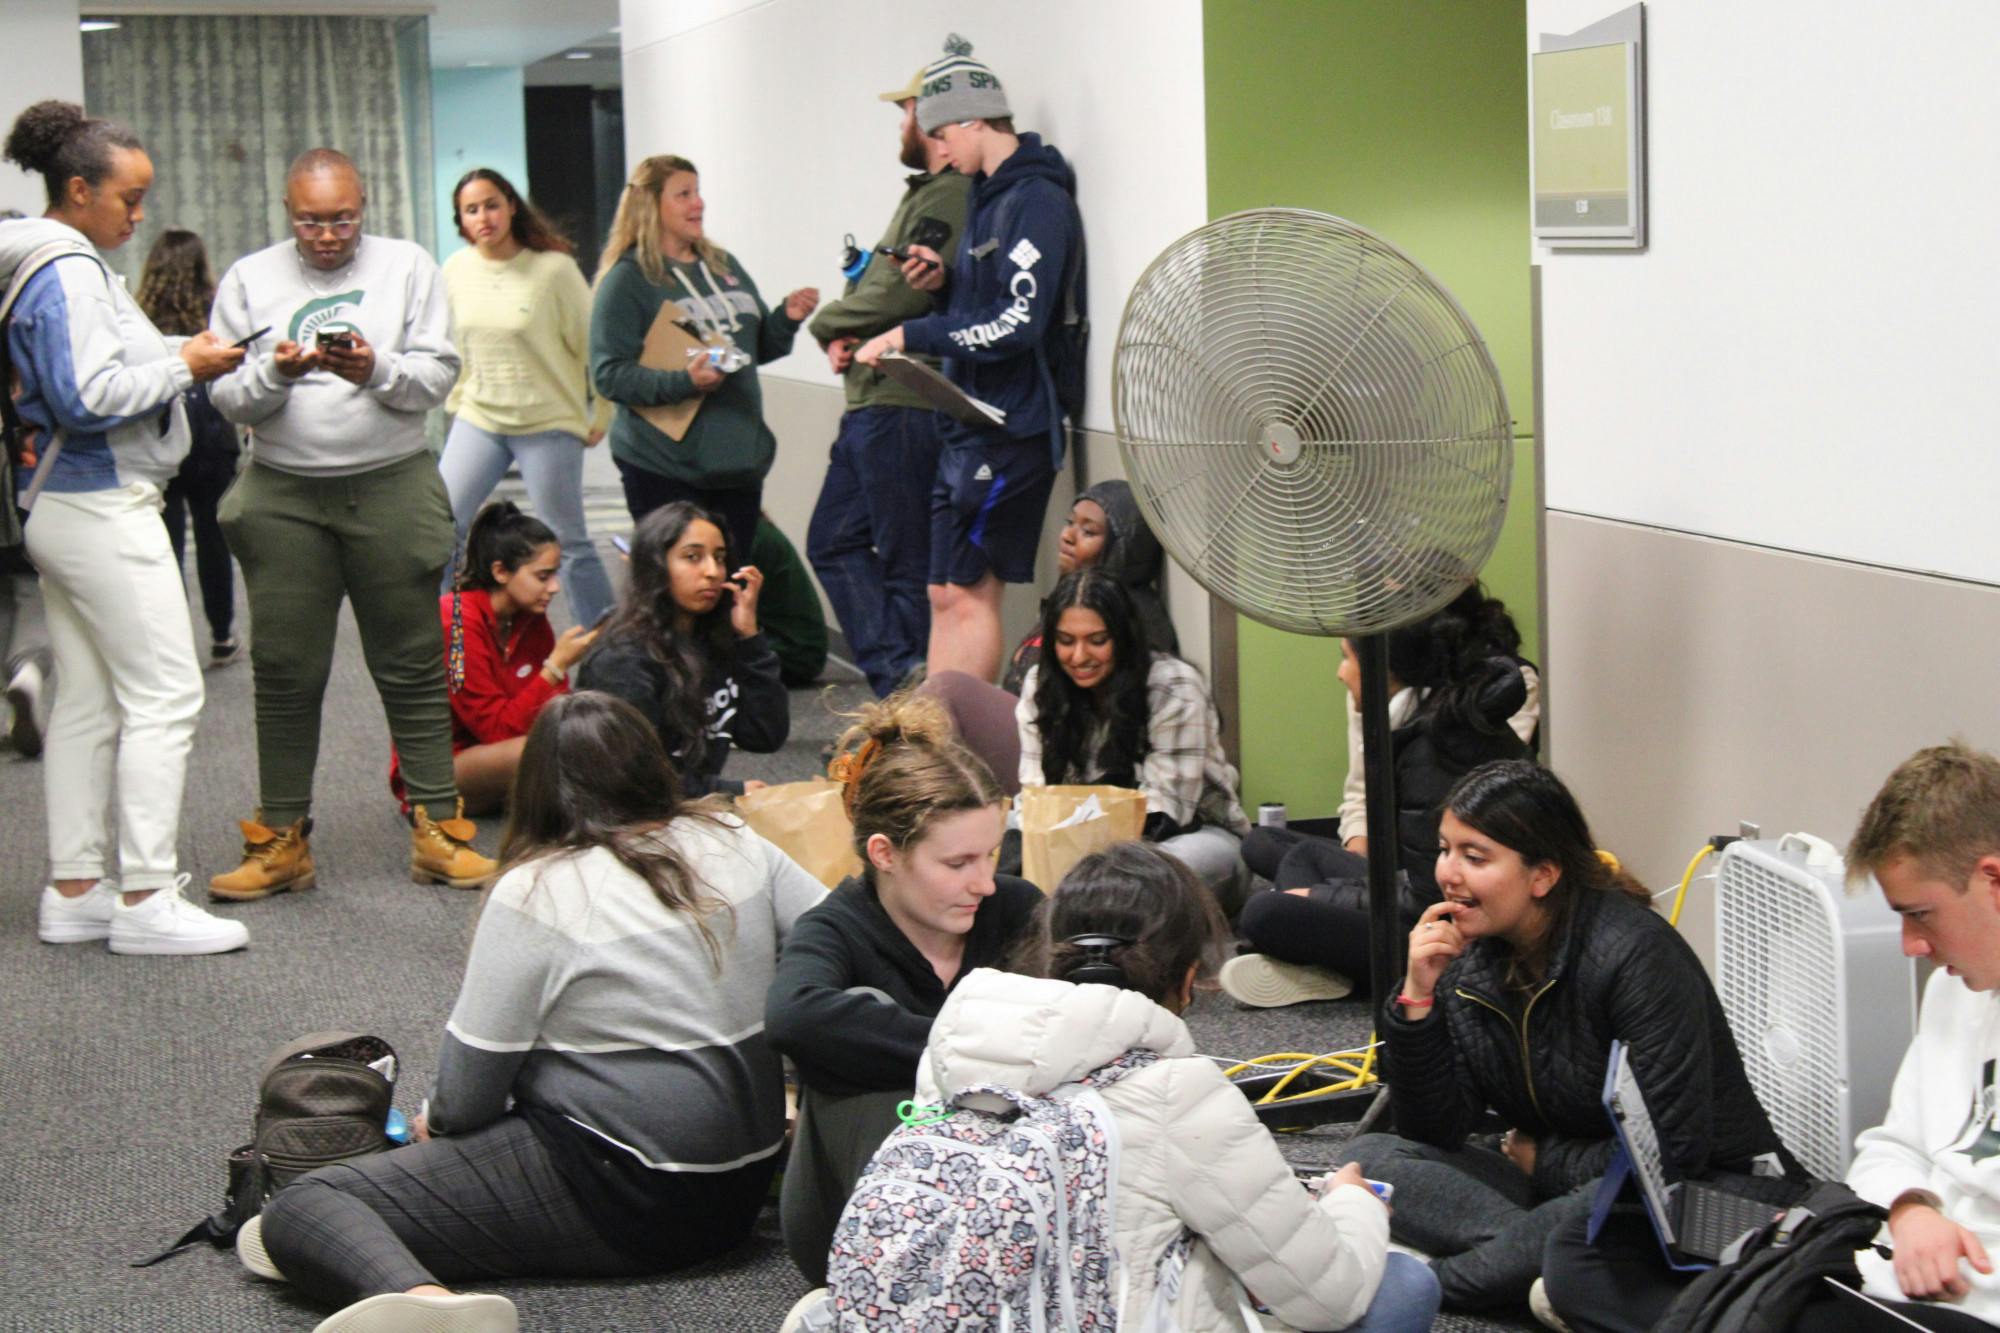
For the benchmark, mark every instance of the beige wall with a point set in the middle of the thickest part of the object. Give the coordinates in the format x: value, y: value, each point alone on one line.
x: 1694, y: 682
x: 805, y: 417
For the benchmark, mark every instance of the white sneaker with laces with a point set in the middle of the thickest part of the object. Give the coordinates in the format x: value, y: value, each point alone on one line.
x: 166, y: 923
x: 401, y: 1312
x: 1264, y: 982
x: 251, y: 1253
x: 78, y: 920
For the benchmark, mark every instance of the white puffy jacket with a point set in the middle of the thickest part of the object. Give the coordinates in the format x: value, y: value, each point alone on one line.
x: 1191, y: 1154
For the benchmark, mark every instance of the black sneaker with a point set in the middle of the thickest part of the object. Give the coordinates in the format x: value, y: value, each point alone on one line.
x: 224, y: 651
x: 24, y: 697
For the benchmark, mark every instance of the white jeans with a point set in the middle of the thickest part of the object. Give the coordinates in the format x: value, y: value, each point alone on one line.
x: 1214, y: 854
x: 131, y: 687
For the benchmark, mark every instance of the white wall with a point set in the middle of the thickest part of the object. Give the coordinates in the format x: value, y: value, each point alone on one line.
x: 1803, y: 358
x: 775, y: 101
x: 40, y: 57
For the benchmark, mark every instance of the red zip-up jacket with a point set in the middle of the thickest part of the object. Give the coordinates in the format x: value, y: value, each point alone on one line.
x: 504, y: 689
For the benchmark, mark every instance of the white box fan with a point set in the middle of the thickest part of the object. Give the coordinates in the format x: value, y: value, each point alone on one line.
x: 1818, y: 993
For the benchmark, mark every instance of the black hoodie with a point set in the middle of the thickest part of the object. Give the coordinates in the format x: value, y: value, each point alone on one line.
x: 844, y: 1043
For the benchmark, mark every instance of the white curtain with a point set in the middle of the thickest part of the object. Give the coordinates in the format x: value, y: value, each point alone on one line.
x: 225, y: 102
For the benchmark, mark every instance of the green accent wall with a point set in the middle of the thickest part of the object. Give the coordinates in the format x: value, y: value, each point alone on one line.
x: 1409, y: 117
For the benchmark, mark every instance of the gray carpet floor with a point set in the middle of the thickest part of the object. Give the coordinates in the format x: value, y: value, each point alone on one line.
x: 124, y: 1082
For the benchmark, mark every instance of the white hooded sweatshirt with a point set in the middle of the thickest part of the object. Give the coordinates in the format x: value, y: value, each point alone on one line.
x: 1942, y: 1134
x: 1192, y: 1155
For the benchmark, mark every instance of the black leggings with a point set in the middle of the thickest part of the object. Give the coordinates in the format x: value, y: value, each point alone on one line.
x: 205, y: 474
x: 1327, y: 927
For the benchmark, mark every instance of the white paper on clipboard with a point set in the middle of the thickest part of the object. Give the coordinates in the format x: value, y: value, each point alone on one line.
x: 938, y: 391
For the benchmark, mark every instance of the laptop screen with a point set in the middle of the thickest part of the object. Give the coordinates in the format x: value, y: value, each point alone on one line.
x: 1634, y: 1126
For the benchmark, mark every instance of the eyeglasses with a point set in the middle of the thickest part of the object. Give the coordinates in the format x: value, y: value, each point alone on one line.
x: 342, y: 227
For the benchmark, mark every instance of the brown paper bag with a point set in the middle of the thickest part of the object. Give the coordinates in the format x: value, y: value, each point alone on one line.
x: 1048, y: 852
x: 668, y: 343
x: 807, y: 822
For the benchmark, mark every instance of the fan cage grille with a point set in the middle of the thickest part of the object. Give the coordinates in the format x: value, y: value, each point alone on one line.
x: 1781, y: 972
x: 1311, y: 423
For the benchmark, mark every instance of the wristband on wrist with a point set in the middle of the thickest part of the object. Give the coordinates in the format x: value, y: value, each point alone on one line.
x: 1412, y: 1002
x: 555, y: 673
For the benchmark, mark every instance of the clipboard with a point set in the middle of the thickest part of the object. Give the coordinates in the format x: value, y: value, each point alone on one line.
x: 668, y: 342
x: 939, y: 392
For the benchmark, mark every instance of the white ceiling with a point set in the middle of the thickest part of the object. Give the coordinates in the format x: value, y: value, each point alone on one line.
x: 496, y: 32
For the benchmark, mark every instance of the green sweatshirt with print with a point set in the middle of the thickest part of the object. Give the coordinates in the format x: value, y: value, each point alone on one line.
x: 728, y: 446
x: 879, y: 299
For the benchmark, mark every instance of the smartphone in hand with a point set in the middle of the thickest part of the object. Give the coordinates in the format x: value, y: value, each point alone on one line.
x: 336, y: 338
x: 245, y: 342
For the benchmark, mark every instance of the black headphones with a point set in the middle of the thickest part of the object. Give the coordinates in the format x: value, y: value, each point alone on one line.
x: 1096, y: 967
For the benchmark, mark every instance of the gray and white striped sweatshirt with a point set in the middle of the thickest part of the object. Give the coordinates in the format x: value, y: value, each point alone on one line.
x: 585, y: 996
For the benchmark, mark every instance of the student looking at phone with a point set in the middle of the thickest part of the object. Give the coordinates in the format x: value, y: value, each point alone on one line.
x: 685, y: 649
x: 341, y: 501
x: 503, y: 660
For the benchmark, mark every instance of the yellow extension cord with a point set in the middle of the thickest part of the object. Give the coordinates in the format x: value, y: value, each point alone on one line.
x: 1359, y: 1064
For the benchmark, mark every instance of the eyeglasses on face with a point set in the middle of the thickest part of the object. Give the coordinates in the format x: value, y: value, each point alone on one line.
x: 342, y: 227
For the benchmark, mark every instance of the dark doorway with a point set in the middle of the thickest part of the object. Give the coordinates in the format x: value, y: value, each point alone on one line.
x: 576, y: 161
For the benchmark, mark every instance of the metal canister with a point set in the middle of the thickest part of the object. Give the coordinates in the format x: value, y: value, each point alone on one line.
x: 1271, y: 814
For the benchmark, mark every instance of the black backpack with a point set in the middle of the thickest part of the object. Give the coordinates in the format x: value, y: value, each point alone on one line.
x: 322, y: 1099
x: 1780, y: 1267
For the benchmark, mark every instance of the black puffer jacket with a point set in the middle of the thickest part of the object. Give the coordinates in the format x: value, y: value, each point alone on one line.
x: 1437, y: 748
x: 1539, y: 1060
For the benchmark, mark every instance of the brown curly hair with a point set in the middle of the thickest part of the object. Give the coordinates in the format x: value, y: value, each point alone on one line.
x: 178, y: 286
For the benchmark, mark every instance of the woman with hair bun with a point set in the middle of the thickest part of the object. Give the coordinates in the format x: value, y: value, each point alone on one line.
x: 503, y: 660
x: 1460, y: 695
x: 101, y: 390
x: 865, y: 972
x: 520, y: 318
x: 1111, y: 964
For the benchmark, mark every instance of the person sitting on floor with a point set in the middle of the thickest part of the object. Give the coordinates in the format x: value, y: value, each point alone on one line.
x: 1206, y: 1214
x: 1102, y: 708
x: 579, y: 1126
x: 503, y: 661
x: 685, y: 649
x: 789, y: 607
x: 1460, y: 696
x: 1540, y: 955
x: 867, y: 970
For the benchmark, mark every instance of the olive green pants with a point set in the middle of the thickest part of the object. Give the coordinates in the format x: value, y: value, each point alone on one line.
x: 830, y: 1148
x: 380, y: 539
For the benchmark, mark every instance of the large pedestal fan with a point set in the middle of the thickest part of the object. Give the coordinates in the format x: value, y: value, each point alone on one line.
x: 1318, y: 435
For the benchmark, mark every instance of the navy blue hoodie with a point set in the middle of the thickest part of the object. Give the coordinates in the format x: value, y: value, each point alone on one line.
x: 1006, y: 291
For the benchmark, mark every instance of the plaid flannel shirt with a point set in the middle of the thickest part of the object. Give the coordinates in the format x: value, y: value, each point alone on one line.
x: 1184, y: 773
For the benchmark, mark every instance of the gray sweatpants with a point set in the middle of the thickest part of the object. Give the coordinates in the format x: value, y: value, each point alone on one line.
x: 1473, y: 1211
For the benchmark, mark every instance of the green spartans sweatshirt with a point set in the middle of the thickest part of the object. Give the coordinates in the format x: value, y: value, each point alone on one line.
x: 728, y: 446
x: 879, y: 299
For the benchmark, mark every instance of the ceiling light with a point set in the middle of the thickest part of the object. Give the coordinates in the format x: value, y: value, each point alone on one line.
x: 97, y: 25
x: 479, y: 64
x: 576, y: 55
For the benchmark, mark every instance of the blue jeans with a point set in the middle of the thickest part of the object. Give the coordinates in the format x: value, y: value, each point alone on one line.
x: 552, y: 466
x: 870, y: 537
x: 1405, y: 1302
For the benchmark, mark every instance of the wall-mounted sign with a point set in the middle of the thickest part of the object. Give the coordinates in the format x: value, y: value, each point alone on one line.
x: 1588, y: 135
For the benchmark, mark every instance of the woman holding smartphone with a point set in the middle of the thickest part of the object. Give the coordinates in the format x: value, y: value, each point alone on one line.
x: 520, y: 318
x: 685, y: 649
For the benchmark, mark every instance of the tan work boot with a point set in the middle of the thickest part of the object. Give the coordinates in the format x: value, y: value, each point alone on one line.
x: 440, y: 852
x: 274, y: 861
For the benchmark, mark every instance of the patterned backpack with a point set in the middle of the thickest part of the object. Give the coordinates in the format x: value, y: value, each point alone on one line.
x: 995, y: 1215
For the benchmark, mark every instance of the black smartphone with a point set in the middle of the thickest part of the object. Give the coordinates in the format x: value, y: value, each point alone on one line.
x: 340, y: 338
x: 245, y: 342
x: 609, y: 611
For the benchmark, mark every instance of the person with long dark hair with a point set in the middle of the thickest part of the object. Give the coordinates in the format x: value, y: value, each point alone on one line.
x: 503, y: 659
x: 1102, y: 707
x: 867, y: 970
x: 520, y: 318
x: 659, y: 250
x: 1540, y: 954
x: 1207, y: 1212
x: 176, y: 290
x: 102, y: 391
x: 578, y: 1127
x: 685, y: 649
x: 1460, y: 695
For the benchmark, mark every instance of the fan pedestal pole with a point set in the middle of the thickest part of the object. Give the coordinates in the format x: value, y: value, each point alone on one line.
x: 1386, y: 944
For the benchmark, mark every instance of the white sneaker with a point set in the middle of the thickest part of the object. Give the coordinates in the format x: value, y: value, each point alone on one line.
x: 1538, y: 1305
x: 166, y: 923
x: 1264, y: 982
x: 814, y: 1310
x: 80, y: 919
x: 24, y: 696
x: 251, y: 1253
x: 401, y: 1312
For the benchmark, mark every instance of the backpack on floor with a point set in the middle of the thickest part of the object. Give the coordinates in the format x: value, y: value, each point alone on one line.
x: 994, y: 1214
x: 323, y: 1099
x: 1778, y: 1268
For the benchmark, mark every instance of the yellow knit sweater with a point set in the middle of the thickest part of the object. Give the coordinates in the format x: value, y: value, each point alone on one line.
x: 522, y: 327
